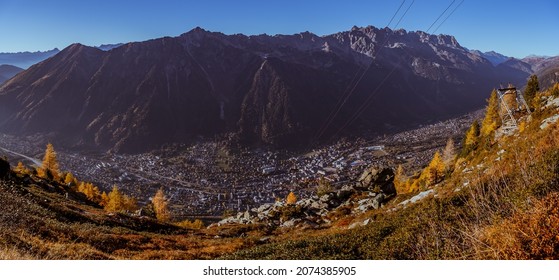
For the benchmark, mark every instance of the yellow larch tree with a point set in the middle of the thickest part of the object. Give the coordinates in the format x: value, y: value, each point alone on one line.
x: 470, y: 140
x: 115, y: 201
x: 400, y: 182
x: 49, y: 168
x: 130, y: 203
x: 104, y: 199
x: 160, y: 206
x: 491, y: 120
x: 472, y: 134
x: 69, y: 179
x: 91, y: 192
x: 21, y: 169
x: 435, y: 170
x: 291, y: 199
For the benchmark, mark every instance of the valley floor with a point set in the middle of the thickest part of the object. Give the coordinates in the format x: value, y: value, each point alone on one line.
x: 498, y: 201
x: 210, y: 177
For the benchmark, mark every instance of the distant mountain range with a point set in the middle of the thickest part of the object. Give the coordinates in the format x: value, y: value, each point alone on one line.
x: 8, y: 71
x: 276, y: 90
x: 493, y: 57
x: 546, y: 68
x: 108, y: 47
x: 26, y: 59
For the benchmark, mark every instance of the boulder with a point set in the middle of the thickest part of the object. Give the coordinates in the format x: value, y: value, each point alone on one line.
x: 4, y: 168
x: 319, y: 205
x: 376, y: 176
x: 326, y: 198
x: 378, y: 200
x: 290, y: 223
x: 308, y: 224
x: 264, y: 207
x: 547, y: 122
x: 345, y: 192
x: 304, y: 202
x: 388, y: 189
x: 246, y: 215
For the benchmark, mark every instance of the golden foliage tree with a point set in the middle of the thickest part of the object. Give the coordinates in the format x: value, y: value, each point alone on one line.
x: 91, y: 192
x: 130, y: 203
x: 472, y: 134
x: 414, y: 185
x: 117, y: 201
x: 104, y: 199
x: 69, y: 179
x: 471, y: 139
x: 291, y: 199
x: 49, y: 168
x: 21, y: 169
x: 492, y: 119
x: 160, y: 206
x: 400, y: 182
x: 434, y: 172
x: 196, y: 224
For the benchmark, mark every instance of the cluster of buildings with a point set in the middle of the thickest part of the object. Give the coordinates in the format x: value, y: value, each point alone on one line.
x: 210, y: 177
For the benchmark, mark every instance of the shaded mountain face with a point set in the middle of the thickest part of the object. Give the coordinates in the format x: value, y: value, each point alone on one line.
x: 8, y: 71
x: 275, y: 90
x: 546, y: 68
x: 26, y: 59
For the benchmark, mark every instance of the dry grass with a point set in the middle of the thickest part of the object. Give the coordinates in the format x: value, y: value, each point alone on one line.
x: 39, y: 222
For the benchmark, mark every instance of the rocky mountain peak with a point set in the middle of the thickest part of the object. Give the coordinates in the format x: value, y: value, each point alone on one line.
x: 271, y: 89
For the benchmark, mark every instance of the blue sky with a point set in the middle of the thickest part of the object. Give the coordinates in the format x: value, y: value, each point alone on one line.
x: 514, y: 28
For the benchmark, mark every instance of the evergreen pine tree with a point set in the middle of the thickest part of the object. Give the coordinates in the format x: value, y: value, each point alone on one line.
x: 532, y: 88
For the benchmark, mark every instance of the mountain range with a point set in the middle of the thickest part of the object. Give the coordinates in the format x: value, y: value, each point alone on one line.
x: 493, y: 57
x: 8, y: 71
x: 275, y: 90
x: 546, y: 68
x: 26, y: 59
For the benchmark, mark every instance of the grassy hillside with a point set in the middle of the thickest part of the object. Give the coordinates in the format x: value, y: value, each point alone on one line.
x: 40, y: 219
x: 500, y: 201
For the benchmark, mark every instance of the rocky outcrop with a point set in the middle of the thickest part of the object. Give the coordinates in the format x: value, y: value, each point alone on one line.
x: 4, y: 168
x: 371, y: 191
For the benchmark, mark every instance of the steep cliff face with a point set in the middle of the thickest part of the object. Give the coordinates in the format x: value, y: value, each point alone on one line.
x: 267, y: 89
